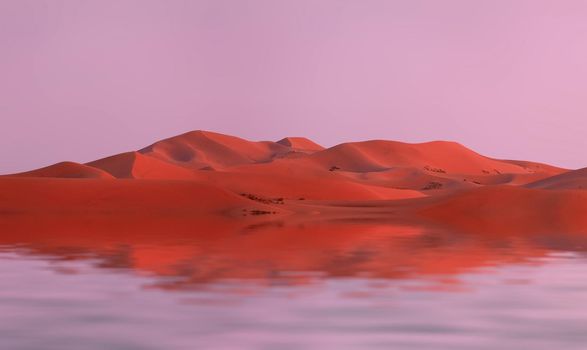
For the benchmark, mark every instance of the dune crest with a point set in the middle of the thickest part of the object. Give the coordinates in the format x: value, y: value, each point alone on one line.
x: 199, y: 149
x: 300, y: 144
x: 134, y: 165
x: 67, y: 170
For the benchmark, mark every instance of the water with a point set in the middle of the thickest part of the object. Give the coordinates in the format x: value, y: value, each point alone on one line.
x: 280, y: 286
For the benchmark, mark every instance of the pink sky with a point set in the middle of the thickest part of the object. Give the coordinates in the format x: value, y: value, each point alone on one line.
x: 84, y: 79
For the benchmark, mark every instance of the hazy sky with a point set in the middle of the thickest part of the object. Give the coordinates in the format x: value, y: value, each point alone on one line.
x: 84, y: 79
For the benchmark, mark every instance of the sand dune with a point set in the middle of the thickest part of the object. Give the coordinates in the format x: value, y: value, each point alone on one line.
x: 576, y: 179
x: 279, y: 183
x: 209, y: 174
x: 201, y: 149
x: 426, y: 166
x: 379, y: 165
x: 21, y: 196
x: 503, y: 210
x: 437, y: 157
x: 67, y: 170
x: 134, y: 165
x: 300, y: 144
x: 299, y: 178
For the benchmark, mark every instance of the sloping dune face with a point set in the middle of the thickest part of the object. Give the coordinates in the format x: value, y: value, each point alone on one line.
x: 120, y: 198
x: 427, y: 166
x: 67, y: 170
x: 301, y: 144
x: 576, y: 179
x: 134, y: 165
x: 438, y: 157
x: 204, y: 149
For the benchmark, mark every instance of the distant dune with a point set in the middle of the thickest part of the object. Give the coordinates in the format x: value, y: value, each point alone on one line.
x: 300, y: 144
x: 67, y: 170
x: 135, y: 165
x: 202, y: 173
x: 205, y: 149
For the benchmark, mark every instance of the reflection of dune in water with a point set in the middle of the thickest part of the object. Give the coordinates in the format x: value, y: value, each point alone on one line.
x: 198, y: 252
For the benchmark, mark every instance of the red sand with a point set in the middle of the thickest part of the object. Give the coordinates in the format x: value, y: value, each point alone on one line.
x: 209, y: 175
x: 67, y: 170
x: 576, y: 179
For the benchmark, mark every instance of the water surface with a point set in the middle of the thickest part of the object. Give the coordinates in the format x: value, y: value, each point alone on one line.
x: 280, y: 286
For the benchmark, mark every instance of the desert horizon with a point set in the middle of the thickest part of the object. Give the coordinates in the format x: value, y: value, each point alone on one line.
x: 293, y: 174
x: 440, y: 183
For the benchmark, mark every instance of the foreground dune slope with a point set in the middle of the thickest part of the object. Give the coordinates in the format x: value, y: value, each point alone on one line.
x: 576, y: 179
x: 24, y: 196
x: 134, y: 165
x: 300, y: 178
x: 300, y: 144
x: 510, y: 210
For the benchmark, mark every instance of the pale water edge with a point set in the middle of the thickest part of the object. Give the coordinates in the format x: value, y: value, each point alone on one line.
x: 50, y: 303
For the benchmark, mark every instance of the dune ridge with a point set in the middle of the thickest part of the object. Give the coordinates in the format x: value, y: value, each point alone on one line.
x: 66, y: 170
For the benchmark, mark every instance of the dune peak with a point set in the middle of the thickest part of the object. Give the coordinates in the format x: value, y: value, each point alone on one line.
x: 300, y: 143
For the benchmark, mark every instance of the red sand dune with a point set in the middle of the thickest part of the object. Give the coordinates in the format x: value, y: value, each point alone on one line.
x: 510, y: 210
x: 200, y: 172
x: 438, y: 157
x: 298, y: 178
x: 134, y: 165
x: 300, y: 144
x: 67, y: 170
x: 576, y: 179
x: 22, y: 196
x: 204, y: 149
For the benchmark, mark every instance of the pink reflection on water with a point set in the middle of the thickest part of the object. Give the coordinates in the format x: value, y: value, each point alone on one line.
x: 321, y: 285
x: 106, y: 307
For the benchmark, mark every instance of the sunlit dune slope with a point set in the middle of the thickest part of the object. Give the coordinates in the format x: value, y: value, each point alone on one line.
x: 300, y: 144
x: 205, y: 149
x: 288, y: 181
x: 438, y: 157
x: 157, y: 197
x: 67, y: 170
x: 134, y: 165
